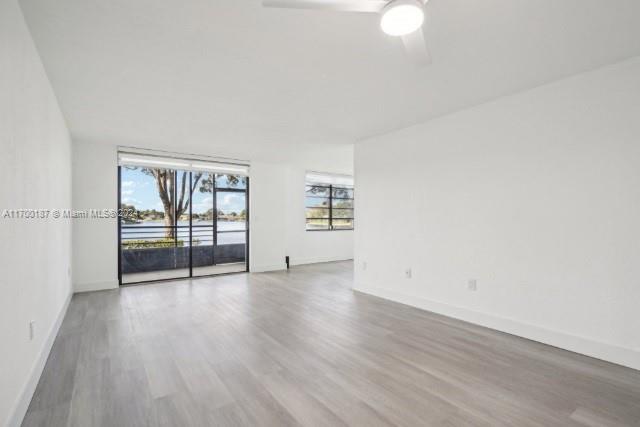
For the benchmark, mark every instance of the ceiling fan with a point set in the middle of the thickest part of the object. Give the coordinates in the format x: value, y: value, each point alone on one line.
x: 399, y: 18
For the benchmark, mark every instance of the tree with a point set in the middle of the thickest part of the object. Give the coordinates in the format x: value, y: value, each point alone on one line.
x: 134, y: 214
x: 176, y: 203
x: 206, y: 185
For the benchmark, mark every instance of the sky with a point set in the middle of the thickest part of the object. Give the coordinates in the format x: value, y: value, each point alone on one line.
x: 139, y: 190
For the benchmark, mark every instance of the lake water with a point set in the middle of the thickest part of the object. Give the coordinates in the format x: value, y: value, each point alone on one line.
x: 230, y: 232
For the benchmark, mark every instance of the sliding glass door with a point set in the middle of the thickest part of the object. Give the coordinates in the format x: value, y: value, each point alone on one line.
x: 219, y: 224
x: 181, y: 223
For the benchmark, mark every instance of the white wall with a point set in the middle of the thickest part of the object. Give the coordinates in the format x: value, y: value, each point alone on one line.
x: 305, y: 247
x: 35, y: 255
x: 537, y: 196
x: 266, y: 221
x: 95, y: 240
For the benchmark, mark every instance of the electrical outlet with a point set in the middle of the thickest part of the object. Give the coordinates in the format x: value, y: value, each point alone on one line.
x: 407, y: 273
x: 472, y: 285
x: 364, y: 265
x: 32, y: 330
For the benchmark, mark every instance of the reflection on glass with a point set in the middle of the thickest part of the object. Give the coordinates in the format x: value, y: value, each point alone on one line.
x: 317, y: 213
x: 343, y: 193
x: 317, y: 224
x: 342, y: 213
x: 319, y: 202
x: 342, y: 203
x: 316, y: 191
x: 342, y: 224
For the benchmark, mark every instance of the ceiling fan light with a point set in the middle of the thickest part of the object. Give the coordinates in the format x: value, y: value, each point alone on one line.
x: 401, y: 17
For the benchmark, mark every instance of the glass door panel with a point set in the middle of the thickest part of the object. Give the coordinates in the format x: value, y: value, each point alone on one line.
x: 154, y: 243
x: 185, y: 224
x: 203, y: 223
x: 227, y: 196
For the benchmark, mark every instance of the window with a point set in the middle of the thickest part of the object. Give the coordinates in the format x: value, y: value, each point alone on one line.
x: 328, y: 202
x: 185, y: 217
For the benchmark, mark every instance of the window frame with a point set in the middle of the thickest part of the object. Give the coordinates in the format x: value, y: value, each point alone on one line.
x: 330, y: 207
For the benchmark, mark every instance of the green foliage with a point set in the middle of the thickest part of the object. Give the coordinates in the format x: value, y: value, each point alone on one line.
x: 232, y: 181
x: 317, y: 213
x: 148, y: 244
x: 175, y: 195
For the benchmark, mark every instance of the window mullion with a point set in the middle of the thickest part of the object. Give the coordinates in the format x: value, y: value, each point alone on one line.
x: 345, y: 208
x: 330, y: 207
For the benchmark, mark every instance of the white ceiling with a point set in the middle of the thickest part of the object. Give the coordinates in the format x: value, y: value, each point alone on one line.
x: 229, y: 75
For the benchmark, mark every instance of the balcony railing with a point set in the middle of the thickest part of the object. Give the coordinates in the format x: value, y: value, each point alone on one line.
x: 147, y: 248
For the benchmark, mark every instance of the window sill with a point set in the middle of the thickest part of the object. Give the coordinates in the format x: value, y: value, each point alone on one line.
x: 339, y: 229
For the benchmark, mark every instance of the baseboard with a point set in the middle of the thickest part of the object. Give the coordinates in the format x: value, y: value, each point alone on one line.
x: 95, y: 286
x: 586, y: 346
x: 302, y: 261
x: 268, y: 267
x: 21, y: 406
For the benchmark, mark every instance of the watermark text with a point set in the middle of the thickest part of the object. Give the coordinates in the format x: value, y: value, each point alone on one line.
x: 66, y: 213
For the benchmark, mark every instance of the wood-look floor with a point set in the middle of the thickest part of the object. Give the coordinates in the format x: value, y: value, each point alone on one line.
x: 301, y: 348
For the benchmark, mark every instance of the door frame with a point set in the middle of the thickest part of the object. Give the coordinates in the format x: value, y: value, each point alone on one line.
x: 215, y: 228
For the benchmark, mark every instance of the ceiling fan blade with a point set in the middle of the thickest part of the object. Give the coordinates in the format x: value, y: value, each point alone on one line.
x: 416, y: 48
x: 372, y: 6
